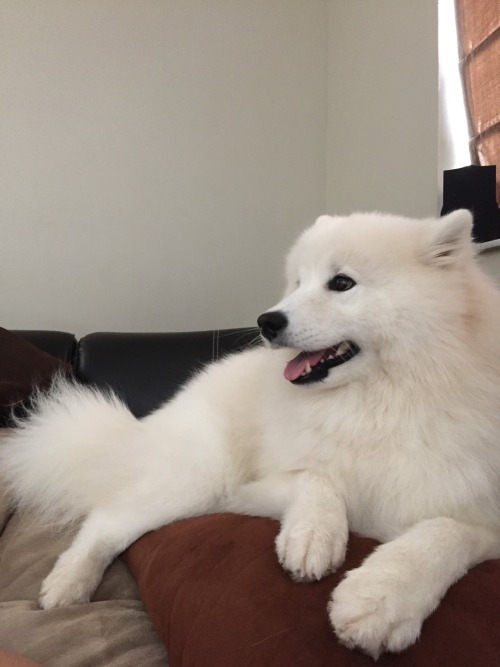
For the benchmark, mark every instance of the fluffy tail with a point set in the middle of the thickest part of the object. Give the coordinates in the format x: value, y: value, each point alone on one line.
x: 61, y: 460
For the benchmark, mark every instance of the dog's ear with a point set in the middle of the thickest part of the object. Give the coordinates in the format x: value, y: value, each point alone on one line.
x: 448, y: 239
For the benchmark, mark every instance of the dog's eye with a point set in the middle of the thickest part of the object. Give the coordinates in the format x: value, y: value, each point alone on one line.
x: 341, y: 283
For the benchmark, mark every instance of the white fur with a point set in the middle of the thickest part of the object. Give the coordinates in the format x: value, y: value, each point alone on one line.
x: 401, y: 443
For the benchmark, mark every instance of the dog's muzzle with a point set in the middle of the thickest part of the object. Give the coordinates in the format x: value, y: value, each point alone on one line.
x: 308, y: 366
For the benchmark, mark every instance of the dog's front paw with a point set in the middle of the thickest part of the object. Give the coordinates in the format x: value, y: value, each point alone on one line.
x: 374, y: 613
x: 309, y: 550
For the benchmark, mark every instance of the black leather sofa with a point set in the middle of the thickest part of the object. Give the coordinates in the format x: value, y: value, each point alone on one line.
x: 144, y: 369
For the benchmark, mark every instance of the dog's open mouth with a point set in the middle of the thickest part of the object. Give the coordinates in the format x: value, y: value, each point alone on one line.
x: 309, y: 367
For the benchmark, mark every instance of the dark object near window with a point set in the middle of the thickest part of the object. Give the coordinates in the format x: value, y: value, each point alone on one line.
x: 474, y: 188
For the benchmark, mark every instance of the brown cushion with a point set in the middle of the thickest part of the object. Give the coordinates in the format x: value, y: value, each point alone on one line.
x: 218, y: 598
x: 22, y: 367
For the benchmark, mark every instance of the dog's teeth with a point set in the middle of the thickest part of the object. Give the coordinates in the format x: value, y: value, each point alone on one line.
x: 307, y: 369
x: 342, y: 348
x: 330, y: 357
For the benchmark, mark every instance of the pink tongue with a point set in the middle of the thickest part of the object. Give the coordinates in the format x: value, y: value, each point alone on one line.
x: 295, y: 367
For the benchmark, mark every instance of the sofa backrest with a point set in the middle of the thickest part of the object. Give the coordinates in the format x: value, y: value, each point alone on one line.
x: 143, y: 369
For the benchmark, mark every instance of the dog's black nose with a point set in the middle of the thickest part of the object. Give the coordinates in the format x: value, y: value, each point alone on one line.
x: 272, y: 323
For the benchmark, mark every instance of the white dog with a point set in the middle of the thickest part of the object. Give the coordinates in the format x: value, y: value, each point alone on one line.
x: 373, y: 407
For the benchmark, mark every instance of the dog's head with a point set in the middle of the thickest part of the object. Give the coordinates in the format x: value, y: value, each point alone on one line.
x: 366, y: 289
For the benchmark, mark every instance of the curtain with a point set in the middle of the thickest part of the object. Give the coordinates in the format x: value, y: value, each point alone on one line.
x: 478, y: 28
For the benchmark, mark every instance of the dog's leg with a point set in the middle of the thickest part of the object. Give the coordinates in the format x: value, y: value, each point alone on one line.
x: 185, y: 481
x: 381, y: 605
x: 104, y: 534
x: 78, y: 571
x: 313, y: 536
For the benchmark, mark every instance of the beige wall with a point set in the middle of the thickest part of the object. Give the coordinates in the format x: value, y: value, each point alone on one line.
x: 383, y: 106
x: 157, y: 156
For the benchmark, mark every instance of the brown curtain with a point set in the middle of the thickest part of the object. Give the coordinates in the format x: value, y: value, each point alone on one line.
x: 478, y: 26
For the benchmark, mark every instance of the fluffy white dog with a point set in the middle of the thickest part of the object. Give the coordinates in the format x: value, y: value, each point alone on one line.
x: 373, y: 407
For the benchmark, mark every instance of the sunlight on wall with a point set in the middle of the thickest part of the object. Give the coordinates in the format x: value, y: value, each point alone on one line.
x: 453, y: 130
